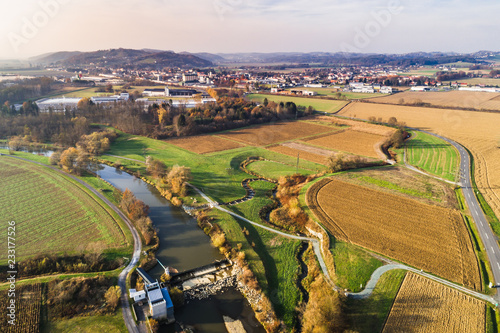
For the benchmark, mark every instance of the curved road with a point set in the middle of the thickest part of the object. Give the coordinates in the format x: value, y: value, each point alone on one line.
x: 127, y: 313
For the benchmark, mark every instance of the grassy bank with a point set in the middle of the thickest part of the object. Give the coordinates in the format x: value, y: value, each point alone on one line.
x: 369, y: 315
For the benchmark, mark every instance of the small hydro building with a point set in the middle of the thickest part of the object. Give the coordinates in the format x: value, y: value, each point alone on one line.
x: 159, y: 301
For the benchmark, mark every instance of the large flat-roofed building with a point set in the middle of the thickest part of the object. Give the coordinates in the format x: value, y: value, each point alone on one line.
x: 57, y: 104
x: 154, y: 92
x: 110, y: 99
x: 180, y: 92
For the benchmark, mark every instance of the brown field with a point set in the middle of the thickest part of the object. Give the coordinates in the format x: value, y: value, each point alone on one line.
x: 294, y: 148
x: 263, y: 135
x: 457, y: 99
x: 423, y: 305
x: 404, y: 182
x: 359, y: 126
x: 478, y: 131
x: 351, y: 141
x: 204, y: 144
x: 28, y: 300
x: 428, y: 237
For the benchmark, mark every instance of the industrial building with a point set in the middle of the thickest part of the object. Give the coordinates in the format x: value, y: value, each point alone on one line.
x: 57, y: 104
x: 158, y: 298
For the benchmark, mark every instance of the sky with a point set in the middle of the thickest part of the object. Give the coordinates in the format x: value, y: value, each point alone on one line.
x: 33, y: 27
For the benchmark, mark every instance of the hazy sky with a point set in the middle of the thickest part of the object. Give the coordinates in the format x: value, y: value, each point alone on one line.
x: 32, y: 27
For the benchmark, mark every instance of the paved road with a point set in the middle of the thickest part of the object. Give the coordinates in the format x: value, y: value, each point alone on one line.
x: 487, y: 236
x: 127, y: 313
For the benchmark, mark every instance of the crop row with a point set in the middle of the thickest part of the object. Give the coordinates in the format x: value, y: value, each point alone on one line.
x: 428, y: 237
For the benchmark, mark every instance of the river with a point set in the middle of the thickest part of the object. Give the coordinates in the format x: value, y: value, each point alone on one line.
x: 183, y: 245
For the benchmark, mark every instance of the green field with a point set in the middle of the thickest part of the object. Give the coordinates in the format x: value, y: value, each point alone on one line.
x: 217, y: 174
x: 52, y: 213
x: 324, y: 105
x: 433, y: 155
x: 110, y: 323
x: 274, y: 170
x: 353, y: 266
x: 330, y: 92
x: 369, y: 315
x: 430, y: 72
x: 275, y: 255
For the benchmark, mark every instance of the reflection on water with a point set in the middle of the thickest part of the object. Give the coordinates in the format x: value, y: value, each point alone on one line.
x: 35, y: 151
x: 183, y: 245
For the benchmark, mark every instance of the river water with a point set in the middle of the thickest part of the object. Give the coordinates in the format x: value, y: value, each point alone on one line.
x: 183, y: 245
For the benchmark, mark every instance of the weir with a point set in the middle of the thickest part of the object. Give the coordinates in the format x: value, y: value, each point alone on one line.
x: 200, y: 271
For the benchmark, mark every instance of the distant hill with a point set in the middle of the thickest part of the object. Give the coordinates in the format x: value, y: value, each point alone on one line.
x: 215, y: 58
x: 127, y: 58
x: 339, y: 58
x: 54, y: 57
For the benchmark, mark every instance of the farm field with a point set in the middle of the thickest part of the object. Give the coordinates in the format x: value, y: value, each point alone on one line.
x: 218, y: 174
x: 205, y: 144
x: 354, y: 125
x: 305, y: 152
x: 404, y: 182
x: 324, y: 105
x: 433, y: 155
x: 88, y: 324
x: 458, y: 99
x: 477, y: 131
x: 27, y: 311
x: 330, y: 92
x: 351, y: 141
x: 275, y: 170
x: 266, y: 134
x: 479, y: 80
x: 52, y: 213
x: 423, y: 305
x: 428, y: 237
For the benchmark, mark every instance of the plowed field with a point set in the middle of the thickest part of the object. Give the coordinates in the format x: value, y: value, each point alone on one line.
x: 428, y: 237
x: 354, y: 142
x: 204, y: 144
x: 262, y: 135
x: 423, y: 305
x: 478, y: 131
x: 458, y: 99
